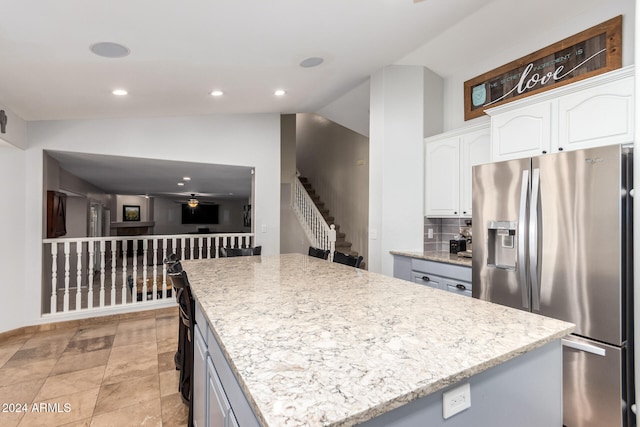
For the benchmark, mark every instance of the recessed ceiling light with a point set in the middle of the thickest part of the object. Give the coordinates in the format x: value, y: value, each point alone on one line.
x: 120, y: 92
x: 217, y: 93
x: 109, y: 50
x: 314, y: 61
x: 279, y: 92
x: 186, y: 178
x: 181, y: 184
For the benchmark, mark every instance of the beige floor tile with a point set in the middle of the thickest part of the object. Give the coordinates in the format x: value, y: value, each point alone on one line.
x: 61, y: 410
x: 26, y: 372
x: 174, y: 412
x: 78, y: 362
x: 134, y: 336
x: 57, y: 336
x: 64, y: 384
x: 81, y: 423
x: 16, y: 396
x: 167, y: 331
x: 169, y: 382
x: 166, y: 361
x: 89, y: 344
x: 127, y: 393
x: 146, y: 414
x: 102, y: 330
x: 7, y: 351
x: 168, y: 344
x: 48, y: 350
x: 132, y: 361
x: 136, y: 324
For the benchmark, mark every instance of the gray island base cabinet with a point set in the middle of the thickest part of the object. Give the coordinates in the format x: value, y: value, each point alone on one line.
x: 291, y: 340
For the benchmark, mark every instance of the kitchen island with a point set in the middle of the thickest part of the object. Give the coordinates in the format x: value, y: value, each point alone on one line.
x: 298, y: 341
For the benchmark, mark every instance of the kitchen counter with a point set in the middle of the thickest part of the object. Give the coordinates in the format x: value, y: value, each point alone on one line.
x: 316, y: 343
x: 438, y: 256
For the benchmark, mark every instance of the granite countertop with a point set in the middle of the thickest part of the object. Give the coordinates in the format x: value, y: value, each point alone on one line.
x: 438, y: 256
x: 315, y: 343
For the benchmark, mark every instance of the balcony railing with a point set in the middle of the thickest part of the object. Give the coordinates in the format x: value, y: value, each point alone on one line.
x: 91, y: 274
x: 319, y: 233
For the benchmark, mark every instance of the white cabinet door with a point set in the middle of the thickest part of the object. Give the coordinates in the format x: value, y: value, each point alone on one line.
x: 601, y: 115
x: 475, y: 149
x: 218, y: 404
x: 200, y: 354
x: 521, y: 133
x: 442, y: 177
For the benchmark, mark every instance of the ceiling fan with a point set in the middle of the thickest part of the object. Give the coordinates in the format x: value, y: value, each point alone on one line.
x: 193, y: 201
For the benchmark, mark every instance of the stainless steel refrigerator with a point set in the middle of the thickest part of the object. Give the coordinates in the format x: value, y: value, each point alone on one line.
x: 553, y: 235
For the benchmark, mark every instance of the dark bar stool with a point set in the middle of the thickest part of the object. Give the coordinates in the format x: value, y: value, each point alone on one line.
x: 232, y: 252
x: 185, y: 344
x: 319, y: 253
x: 345, y: 259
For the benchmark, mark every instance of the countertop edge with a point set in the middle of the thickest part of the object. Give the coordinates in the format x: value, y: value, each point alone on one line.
x: 435, y: 256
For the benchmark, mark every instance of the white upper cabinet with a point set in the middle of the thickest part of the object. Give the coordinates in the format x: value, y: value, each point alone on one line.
x: 524, y: 132
x: 592, y: 112
x: 602, y: 115
x: 475, y: 149
x: 449, y: 158
x: 442, y: 177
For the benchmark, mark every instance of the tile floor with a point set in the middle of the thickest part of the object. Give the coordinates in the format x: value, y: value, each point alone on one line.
x: 112, y: 373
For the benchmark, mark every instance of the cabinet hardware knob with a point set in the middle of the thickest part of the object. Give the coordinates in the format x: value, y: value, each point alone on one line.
x: 461, y: 287
x: 465, y: 212
x: 560, y: 148
x: 426, y: 278
x: 544, y: 151
x: 455, y: 213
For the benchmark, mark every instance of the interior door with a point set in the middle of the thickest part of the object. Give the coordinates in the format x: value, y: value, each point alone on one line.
x: 579, y: 250
x: 500, y: 203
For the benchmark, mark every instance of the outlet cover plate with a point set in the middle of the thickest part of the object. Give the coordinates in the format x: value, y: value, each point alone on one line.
x: 456, y: 400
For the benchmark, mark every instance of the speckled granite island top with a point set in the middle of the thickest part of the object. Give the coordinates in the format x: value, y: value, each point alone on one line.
x: 314, y: 343
x: 438, y: 256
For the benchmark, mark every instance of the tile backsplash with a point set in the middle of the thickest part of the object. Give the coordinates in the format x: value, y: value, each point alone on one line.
x: 444, y: 229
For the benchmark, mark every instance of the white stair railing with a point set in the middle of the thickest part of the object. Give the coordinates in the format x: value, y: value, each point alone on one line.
x: 320, y: 233
x: 125, y: 264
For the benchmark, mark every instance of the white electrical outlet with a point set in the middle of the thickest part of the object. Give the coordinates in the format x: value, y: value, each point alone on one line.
x: 430, y: 233
x: 456, y: 400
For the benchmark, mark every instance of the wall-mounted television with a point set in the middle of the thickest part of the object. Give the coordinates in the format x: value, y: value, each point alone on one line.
x: 201, y: 214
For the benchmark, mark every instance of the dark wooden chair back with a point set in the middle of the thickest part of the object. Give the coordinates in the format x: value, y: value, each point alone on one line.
x: 345, y: 259
x: 319, y: 253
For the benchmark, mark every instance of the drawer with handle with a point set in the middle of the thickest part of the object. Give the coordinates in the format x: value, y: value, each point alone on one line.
x: 457, y: 287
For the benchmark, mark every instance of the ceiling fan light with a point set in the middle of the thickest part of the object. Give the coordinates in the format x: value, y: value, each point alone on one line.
x: 193, y: 202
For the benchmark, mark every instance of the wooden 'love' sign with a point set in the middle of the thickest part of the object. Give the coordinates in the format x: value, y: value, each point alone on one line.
x: 586, y: 54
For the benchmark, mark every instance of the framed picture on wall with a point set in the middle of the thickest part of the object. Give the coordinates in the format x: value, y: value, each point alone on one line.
x: 130, y: 213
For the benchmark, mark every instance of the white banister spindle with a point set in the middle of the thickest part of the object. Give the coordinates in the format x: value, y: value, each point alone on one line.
x: 155, y: 268
x: 65, y: 307
x: 200, y: 244
x: 91, y: 248
x: 103, y: 251
x: 123, y: 297
x: 164, y: 268
x: 145, y: 247
x: 209, y: 241
x: 182, y: 245
x: 134, y: 273
x: 174, y: 246
x: 78, y: 275
x: 114, y: 261
x: 54, y: 277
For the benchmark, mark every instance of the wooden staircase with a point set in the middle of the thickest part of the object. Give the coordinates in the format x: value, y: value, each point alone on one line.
x: 342, y: 245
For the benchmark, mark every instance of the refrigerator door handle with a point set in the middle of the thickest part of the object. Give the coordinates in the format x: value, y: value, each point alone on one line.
x: 584, y: 347
x: 522, y: 239
x: 533, y: 240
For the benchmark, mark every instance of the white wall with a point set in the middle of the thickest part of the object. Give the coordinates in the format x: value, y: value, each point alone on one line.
x: 242, y: 140
x: 16, y: 131
x: 351, y: 110
x: 13, y: 251
x: 396, y: 183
